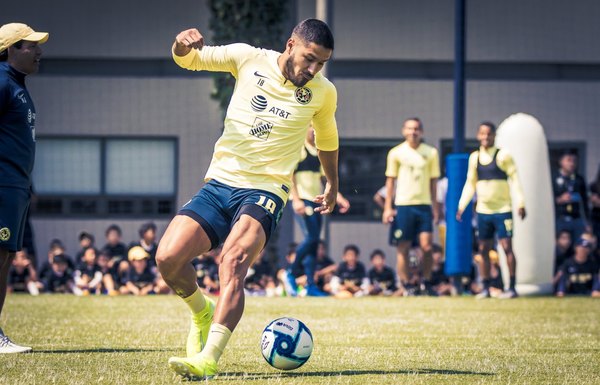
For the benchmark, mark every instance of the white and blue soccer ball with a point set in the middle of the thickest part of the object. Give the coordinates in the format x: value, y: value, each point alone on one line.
x: 286, y: 343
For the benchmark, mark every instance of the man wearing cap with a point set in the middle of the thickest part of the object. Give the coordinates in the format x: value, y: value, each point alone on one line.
x: 19, y: 56
x: 579, y: 274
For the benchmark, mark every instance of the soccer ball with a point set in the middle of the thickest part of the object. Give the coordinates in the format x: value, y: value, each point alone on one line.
x: 286, y: 343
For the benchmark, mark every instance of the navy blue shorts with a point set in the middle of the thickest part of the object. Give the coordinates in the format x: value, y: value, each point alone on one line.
x: 14, y: 203
x: 217, y: 207
x: 409, y: 222
x: 501, y: 224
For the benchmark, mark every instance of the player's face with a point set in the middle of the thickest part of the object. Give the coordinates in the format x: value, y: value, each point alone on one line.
x: 25, y: 59
x: 412, y: 132
x: 568, y: 163
x: 89, y: 256
x: 486, y: 136
x: 305, y: 61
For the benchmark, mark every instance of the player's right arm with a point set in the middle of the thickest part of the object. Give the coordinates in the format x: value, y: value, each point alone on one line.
x: 469, y: 187
x: 189, y: 52
x: 391, y: 172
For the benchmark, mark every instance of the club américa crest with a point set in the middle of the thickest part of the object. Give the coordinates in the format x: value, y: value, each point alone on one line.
x: 303, y: 95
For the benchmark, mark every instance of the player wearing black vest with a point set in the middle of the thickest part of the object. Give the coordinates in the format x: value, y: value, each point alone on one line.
x: 19, y: 56
x: 489, y: 171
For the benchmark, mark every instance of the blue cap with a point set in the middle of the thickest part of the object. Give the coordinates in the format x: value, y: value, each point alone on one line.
x: 584, y: 242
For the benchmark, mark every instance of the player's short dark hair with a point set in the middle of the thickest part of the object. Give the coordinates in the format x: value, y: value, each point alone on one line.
x: 377, y: 252
x: 568, y: 152
x: 292, y: 248
x: 416, y: 119
x: 352, y: 248
x: 90, y: 247
x: 314, y: 31
x: 114, y: 227
x: 488, y: 124
x: 85, y: 234
x: 145, y: 227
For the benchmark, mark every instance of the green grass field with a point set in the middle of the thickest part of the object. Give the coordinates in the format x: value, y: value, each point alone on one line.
x: 126, y: 340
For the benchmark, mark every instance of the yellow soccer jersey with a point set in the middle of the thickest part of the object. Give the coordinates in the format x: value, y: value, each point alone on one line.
x: 309, y: 174
x: 414, y: 169
x: 267, y: 118
x: 493, y: 196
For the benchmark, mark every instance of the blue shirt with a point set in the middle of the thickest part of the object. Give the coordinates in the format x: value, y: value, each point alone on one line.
x: 17, y: 129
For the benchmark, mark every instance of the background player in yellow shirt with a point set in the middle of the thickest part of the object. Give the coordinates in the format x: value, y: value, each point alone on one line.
x: 307, y: 183
x: 276, y: 96
x: 413, y: 167
x: 488, y: 174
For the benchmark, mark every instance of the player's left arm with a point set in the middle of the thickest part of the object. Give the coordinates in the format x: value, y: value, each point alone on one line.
x: 327, y: 142
x: 506, y: 163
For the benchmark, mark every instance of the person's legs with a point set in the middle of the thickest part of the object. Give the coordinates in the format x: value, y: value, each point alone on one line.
x: 506, y: 244
x: 243, y: 245
x: 5, y: 260
x: 426, y: 244
x: 485, y: 245
x: 402, y: 261
x: 183, y: 240
x: 307, y: 250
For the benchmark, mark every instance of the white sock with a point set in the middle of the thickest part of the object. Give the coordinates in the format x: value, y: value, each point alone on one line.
x: 218, y: 336
x: 196, y: 301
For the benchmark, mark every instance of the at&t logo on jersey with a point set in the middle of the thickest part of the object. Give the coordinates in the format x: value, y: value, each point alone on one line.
x: 261, y: 128
x: 258, y: 103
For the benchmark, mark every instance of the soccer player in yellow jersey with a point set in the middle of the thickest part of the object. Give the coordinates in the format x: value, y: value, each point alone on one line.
x: 277, y: 95
x: 413, y: 167
x: 488, y: 174
x: 307, y: 183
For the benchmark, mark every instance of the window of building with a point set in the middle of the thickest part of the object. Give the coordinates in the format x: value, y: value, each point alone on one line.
x: 85, y: 177
x: 362, y: 172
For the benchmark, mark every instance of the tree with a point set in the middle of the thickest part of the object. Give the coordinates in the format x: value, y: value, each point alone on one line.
x: 259, y: 23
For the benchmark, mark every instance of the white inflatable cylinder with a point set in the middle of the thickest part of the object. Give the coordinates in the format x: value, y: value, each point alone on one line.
x: 523, y: 137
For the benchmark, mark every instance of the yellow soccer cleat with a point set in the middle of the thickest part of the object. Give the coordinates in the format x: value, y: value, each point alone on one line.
x: 194, y: 368
x: 199, y: 328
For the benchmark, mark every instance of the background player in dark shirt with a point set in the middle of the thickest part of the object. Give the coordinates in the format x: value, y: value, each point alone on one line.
x: 350, y: 279
x: 20, y: 54
x: 570, y: 197
x: 60, y: 278
x: 22, y: 276
x: 382, y: 278
x: 579, y: 275
x: 140, y: 279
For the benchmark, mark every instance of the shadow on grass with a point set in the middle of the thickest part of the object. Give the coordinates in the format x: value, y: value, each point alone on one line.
x: 102, y: 350
x: 262, y: 376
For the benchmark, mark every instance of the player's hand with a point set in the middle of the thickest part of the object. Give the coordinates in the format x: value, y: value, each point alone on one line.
x: 388, y: 216
x: 564, y: 198
x: 459, y: 214
x: 522, y: 213
x: 326, y: 201
x: 299, y: 206
x: 343, y: 204
x: 436, y: 215
x: 188, y: 39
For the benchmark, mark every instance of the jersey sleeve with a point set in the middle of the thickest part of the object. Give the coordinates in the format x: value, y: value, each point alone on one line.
x: 507, y: 164
x: 225, y: 58
x: 434, y: 166
x: 469, y: 187
x: 392, y: 165
x: 324, y: 123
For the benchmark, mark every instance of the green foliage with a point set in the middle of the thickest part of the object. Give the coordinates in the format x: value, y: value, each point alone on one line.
x: 256, y: 22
